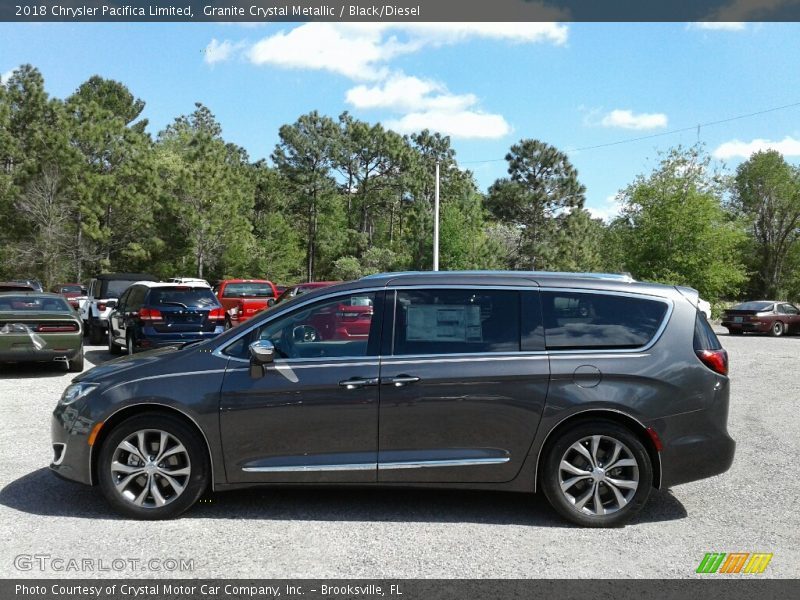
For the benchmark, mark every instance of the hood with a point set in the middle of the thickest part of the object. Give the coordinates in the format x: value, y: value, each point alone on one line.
x: 112, y: 368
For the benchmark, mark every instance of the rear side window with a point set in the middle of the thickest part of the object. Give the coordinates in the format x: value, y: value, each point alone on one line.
x: 114, y: 288
x: 576, y: 320
x: 704, y: 336
x: 182, y: 296
x: 456, y: 321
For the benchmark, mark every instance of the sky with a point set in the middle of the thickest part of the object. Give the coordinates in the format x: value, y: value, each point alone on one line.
x: 487, y: 85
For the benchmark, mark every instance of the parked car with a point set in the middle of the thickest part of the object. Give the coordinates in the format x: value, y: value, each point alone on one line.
x: 192, y: 280
x: 71, y: 291
x: 15, y: 286
x: 484, y: 380
x: 40, y: 327
x: 103, y: 293
x: 35, y: 284
x: 762, y: 316
x: 244, y: 298
x: 149, y: 315
x: 302, y: 288
x: 279, y: 289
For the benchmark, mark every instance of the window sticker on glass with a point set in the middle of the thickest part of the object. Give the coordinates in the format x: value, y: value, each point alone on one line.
x: 444, y: 323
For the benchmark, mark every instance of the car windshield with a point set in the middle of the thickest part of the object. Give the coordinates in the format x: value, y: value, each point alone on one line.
x: 759, y: 306
x: 33, y: 304
x: 251, y: 288
x: 182, y: 295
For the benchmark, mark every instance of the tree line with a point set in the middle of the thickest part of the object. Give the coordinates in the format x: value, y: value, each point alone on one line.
x: 85, y: 188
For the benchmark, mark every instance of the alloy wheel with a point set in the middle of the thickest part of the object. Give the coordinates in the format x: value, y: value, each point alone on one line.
x: 150, y: 468
x: 598, y: 475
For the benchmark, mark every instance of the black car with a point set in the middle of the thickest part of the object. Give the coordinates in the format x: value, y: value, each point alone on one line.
x: 149, y: 315
x: 592, y: 390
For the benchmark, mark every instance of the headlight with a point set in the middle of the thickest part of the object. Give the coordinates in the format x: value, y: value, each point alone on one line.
x: 75, y: 392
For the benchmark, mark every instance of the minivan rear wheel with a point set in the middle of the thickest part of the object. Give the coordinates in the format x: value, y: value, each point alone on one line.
x: 153, y: 467
x: 597, y: 474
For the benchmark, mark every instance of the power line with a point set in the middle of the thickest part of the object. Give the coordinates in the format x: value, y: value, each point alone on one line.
x: 656, y: 135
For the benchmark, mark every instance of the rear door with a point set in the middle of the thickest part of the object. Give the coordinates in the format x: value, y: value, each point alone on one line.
x: 460, y: 401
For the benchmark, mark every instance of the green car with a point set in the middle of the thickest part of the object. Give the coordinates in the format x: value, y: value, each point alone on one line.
x: 40, y: 327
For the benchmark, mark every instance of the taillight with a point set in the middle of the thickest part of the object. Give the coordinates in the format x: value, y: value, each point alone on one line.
x: 57, y: 328
x: 150, y: 314
x: 216, y: 314
x: 716, y: 360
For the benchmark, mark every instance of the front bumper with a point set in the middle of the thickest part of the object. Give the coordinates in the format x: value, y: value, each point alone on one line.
x: 69, y: 433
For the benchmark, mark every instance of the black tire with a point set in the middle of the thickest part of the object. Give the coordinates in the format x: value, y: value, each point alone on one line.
x: 777, y: 329
x: 610, y: 432
x: 735, y: 332
x: 76, y: 364
x: 228, y: 324
x: 112, y: 347
x: 130, y: 345
x: 193, y: 486
x: 95, y: 332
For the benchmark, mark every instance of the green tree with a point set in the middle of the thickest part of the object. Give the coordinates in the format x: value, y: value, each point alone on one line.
x: 208, y: 192
x: 542, y: 183
x: 766, y: 193
x: 674, y: 230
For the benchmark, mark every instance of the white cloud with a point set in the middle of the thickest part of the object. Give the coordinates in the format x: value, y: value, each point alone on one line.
x: 719, y: 25
x: 626, y: 119
x: 361, y: 51
x: 737, y: 149
x: 220, y: 51
x: 458, y: 124
x: 404, y: 93
x: 607, y: 211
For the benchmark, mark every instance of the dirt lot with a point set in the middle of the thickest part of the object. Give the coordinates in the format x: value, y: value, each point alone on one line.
x: 399, y: 534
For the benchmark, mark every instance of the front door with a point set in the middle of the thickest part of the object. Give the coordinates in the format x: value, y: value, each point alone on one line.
x: 460, y: 401
x: 313, y: 415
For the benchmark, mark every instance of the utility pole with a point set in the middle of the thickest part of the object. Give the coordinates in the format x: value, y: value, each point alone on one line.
x: 436, y: 222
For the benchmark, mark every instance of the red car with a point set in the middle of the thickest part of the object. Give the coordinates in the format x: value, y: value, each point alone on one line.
x: 70, y: 291
x: 762, y: 316
x: 302, y: 288
x: 242, y: 299
x: 350, y: 321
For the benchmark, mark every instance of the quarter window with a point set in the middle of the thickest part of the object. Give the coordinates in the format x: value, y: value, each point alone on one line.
x: 456, y: 321
x: 575, y: 320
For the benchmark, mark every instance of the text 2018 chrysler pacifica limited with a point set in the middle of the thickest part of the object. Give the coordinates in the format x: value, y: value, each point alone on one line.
x: 591, y: 389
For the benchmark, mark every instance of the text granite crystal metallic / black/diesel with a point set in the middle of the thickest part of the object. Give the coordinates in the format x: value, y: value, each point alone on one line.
x: 593, y: 389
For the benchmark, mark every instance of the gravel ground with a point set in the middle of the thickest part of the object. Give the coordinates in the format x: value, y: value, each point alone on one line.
x: 348, y: 533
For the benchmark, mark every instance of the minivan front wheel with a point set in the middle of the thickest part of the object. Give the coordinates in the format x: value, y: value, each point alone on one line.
x: 153, y: 467
x: 597, y: 474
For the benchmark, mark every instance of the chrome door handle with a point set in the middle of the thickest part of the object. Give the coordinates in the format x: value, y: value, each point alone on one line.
x: 355, y: 383
x: 402, y: 380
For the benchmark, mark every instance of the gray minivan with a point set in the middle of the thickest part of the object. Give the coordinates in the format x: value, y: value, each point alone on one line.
x: 591, y: 389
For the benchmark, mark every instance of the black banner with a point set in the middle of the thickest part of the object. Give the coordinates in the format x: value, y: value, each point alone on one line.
x: 707, y: 588
x: 399, y: 10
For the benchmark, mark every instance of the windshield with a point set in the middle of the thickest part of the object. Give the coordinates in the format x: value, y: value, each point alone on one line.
x: 251, y: 288
x: 33, y: 304
x: 182, y: 295
x: 758, y: 306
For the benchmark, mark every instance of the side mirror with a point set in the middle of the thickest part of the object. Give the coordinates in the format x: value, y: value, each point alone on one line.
x: 262, y: 352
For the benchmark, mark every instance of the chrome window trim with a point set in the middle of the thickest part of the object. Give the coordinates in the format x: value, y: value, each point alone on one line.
x: 219, y: 350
